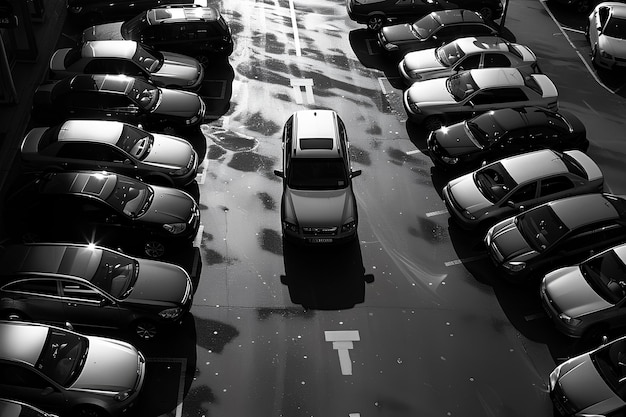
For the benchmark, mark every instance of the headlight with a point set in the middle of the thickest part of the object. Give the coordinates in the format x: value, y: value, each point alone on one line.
x: 171, y: 313
x: 390, y: 47
x: 180, y: 171
x: 570, y: 321
x: 414, y: 108
x: 122, y: 396
x: 605, y: 54
x: 468, y: 215
x: 449, y: 160
x: 193, y: 120
x: 514, y: 266
x: 175, y: 228
x: 554, y: 377
x: 348, y: 226
x: 290, y: 226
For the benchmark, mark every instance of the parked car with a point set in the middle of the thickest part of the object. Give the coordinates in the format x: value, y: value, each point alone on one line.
x: 116, y: 97
x: 606, y: 32
x: 433, y: 30
x: 588, y: 298
x: 200, y: 32
x: 13, y: 408
x: 163, y: 69
x: 89, y: 12
x: 557, y: 233
x: 591, y: 384
x: 98, y: 206
x: 441, y: 101
x: 111, y: 146
x: 378, y: 13
x: 318, y: 204
x: 577, y: 6
x: 504, y: 132
x: 466, y: 54
x: 507, y: 187
x: 68, y: 372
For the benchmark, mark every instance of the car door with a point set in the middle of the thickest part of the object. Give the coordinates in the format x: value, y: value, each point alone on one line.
x: 555, y: 187
x: 35, y: 297
x: 468, y: 62
x: 90, y: 155
x: 86, y: 306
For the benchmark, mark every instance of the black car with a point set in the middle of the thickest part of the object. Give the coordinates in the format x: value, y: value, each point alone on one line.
x: 101, y: 207
x: 504, y: 132
x: 90, y: 12
x: 92, y: 286
x: 200, y: 32
x: 434, y: 30
x: 377, y: 14
x: 116, y: 97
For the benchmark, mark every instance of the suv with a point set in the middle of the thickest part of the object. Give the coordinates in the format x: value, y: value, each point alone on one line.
x: 318, y: 203
x: 96, y: 11
x: 200, y: 32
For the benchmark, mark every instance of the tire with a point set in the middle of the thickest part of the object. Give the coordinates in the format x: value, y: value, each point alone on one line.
x: 433, y: 123
x: 376, y: 22
x: 486, y: 12
x: 145, y: 329
x: 203, y: 60
x: 13, y: 315
x: 89, y: 411
x: 154, y: 249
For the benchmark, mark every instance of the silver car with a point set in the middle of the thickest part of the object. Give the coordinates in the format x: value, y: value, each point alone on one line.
x: 67, y: 372
x: 606, y: 32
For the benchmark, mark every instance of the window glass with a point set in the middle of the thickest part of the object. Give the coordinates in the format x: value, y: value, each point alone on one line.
x: 496, y: 60
x: 80, y: 291
x: 18, y: 376
x: 524, y: 194
x: 34, y: 286
x: 555, y: 185
x: 470, y: 62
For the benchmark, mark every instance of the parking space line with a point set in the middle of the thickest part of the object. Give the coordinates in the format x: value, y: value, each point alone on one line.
x: 202, y: 171
x: 294, y: 25
x: 436, y: 213
x: 198, y: 239
x: 413, y: 152
x: 342, y: 342
x: 465, y: 260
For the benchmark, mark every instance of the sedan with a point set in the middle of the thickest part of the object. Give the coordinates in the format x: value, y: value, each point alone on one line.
x: 606, y: 32
x: 465, y: 54
x: 116, y: 97
x: 469, y: 93
x: 112, y: 146
x: 557, y: 233
x: 163, y: 69
x: 593, y: 383
x: 506, y: 187
x: 504, y: 132
x: 433, y: 30
x: 68, y: 372
x: 97, y: 11
x: 90, y: 206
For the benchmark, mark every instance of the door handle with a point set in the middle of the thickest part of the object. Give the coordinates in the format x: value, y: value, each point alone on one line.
x: 72, y: 305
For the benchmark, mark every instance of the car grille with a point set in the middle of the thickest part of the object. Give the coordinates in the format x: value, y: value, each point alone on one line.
x: 319, y: 231
x: 192, y: 161
x: 560, y: 401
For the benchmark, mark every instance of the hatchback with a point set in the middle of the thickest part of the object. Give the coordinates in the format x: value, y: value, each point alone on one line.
x: 112, y: 146
x: 504, y: 132
x: 200, y: 32
x: 68, y: 372
x: 433, y: 30
x: 465, y: 54
x: 163, y: 69
x: 93, y: 207
x: 318, y: 203
x: 116, y: 97
x: 89, y: 285
x: 557, y: 233
x: 606, y: 32
x: 508, y: 186
x: 89, y: 12
x: 439, y: 101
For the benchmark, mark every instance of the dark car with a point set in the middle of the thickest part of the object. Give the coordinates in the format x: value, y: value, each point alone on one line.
x: 89, y: 12
x: 94, y: 207
x: 90, y: 285
x: 200, y: 32
x: 504, y: 132
x: 378, y: 13
x: 433, y: 30
x: 116, y: 97
x: 556, y: 234
x: 13, y: 408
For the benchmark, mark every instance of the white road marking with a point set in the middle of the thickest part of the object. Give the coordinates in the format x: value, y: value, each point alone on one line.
x: 464, y: 260
x: 181, y: 383
x: 294, y: 25
x: 342, y: 343
x: 354, y: 415
x: 198, y: 239
x: 436, y: 213
x: 413, y: 152
x: 381, y: 81
x: 307, y: 83
x: 202, y: 171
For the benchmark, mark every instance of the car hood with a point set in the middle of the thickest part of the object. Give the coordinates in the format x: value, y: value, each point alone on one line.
x: 111, y: 365
x: 104, y: 32
x: 614, y: 46
x: 422, y: 61
x: 464, y: 191
x: 508, y: 242
x: 169, y: 152
x: 320, y: 208
x: 397, y: 33
x: 585, y: 388
x: 455, y: 140
x: 179, y: 70
x: 31, y: 141
x: 160, y: 281
x: 169, y: 205
x: 178, y: 103
x: 571, y: 294
x: 430, y: 91
x: 57, y: 62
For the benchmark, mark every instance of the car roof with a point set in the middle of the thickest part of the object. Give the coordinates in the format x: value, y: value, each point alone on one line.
x: 315, y: 134
x: 545, y: 162
x: 446, y: 17
x: 181, y: 14
x: 22, y: 341
x: 95, y: 184
x: 102, y: 82
x: 585, y: 209
x: 514, y: 118
x: 497, y: 77
x: 109, y: 49
x: 482, y: 43
x: 102, y: 131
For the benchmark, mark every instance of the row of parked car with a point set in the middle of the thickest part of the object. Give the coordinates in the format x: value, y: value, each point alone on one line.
x: 520, y: 176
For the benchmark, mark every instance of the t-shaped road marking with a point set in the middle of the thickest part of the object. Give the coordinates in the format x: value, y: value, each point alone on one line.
x: 342, y: 343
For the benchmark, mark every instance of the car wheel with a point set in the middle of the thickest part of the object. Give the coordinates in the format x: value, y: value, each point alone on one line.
x: 89, y: 411
x: 582, y: 6
x: 145, y: 329
x: 13, y: 315
x: 486, y: 12
x: 154, y: 248
x: 375, y: 22
x: 433, y: 123
x: 203, y: 60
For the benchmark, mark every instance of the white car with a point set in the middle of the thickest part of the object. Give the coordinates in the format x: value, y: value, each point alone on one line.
x: 441, y: 100
x: 606, y: 31
x: 465, y: 54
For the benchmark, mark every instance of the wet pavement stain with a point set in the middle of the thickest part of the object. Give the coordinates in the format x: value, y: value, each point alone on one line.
x: 251, y: 162
x: 214, y: 152
x: 359, y: 155
x: 257, y: 123
x: 374, y: 130
x: 401, y: 156
x: 271, y: 241
x: 227, y: 139
x: 268, y: 201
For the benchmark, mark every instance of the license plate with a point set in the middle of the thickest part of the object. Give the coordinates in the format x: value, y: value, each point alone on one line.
x: 320, y: 240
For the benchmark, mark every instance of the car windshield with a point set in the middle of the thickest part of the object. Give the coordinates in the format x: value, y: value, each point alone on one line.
x: 610, y: 361
x: 461, y: 85
x: 135, y: 141
x: 606, y: 274
x: 485, y: 131
x: 116, y: 274
x: 63, y: 356
x: 132, y: 28
x: 615, y: 28
x: 130, y: 197
x: 426, y: 26
x: 148, y: 58
x: 317, y: 174
x: 494, y: 182
x: 145, y: 95
x: 449, y: 54
x: 541, y: 227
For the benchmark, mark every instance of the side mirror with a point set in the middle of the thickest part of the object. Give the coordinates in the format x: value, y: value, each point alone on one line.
x: 278, y: 173
x: 127, y: 161
x: 605, y: 340
x: 105, y: 302
x: 47, y: 391
x: 69, y: 326
x: 355, y: 173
